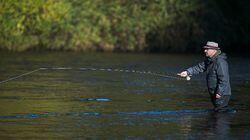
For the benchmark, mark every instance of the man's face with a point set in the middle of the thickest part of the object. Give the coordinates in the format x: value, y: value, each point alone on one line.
x: 210, y: 52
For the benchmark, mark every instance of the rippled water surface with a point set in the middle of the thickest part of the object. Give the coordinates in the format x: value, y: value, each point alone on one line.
x: 116, y: 96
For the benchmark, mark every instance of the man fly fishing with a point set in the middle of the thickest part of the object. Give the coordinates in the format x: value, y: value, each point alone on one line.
x: 217, y: 75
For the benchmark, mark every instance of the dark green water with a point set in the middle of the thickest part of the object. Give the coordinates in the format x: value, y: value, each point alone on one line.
x: 96, y: 104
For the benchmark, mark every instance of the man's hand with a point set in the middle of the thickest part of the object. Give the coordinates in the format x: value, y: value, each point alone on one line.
x: 183, y: 74
x: 218, y: 96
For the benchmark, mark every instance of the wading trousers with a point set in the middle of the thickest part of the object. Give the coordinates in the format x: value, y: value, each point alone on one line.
x: 221, y: 104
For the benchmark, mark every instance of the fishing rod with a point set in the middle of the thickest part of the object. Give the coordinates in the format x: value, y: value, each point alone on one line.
x: 95, y: 69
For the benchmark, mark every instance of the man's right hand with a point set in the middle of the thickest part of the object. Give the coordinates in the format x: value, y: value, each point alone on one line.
x: 183, y: 74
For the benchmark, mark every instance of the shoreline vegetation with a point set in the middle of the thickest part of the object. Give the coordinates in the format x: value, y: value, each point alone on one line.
x: 123, y: 26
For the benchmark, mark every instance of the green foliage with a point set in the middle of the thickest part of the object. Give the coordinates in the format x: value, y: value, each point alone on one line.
x: 178, y: 30
x: 26, y: 24
x: 120, y: 25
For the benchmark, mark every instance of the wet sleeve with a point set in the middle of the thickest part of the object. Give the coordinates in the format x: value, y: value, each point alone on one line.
x: 197, y: 69
x: 223, y: 76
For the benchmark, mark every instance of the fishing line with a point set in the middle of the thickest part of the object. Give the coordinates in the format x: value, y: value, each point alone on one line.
x: 116, y: 70
x: 13, y: 78
x: 96, y: 69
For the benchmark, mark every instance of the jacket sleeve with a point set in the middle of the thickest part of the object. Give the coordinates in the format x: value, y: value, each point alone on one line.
x: 223, y: 76
x: 199, y: 68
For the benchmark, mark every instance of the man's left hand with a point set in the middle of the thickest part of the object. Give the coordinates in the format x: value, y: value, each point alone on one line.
x: 218, y: 96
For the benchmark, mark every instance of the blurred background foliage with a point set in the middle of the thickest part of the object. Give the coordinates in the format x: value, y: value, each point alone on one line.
x: 123, y: 25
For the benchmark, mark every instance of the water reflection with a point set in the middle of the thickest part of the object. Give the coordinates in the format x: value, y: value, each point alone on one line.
x: 212, y: 125
x: 219, y: 124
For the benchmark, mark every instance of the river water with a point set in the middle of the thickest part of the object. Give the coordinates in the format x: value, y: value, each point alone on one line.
x: 116, y: 96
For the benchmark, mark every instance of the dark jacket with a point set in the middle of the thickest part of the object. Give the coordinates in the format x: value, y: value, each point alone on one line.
x: 217, y: 74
